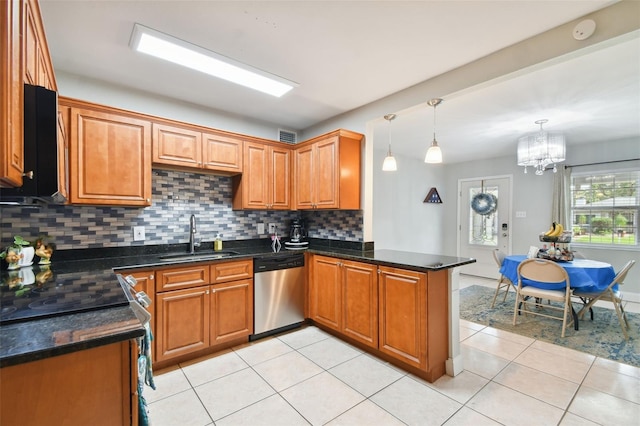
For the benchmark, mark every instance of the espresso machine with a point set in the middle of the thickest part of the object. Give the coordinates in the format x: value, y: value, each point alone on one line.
x: 297, y: 235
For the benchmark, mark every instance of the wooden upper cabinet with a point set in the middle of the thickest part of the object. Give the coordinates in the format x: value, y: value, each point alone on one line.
x: 189, y: 148
x: 110, y: 158
x: 327, y: 172
x: 24, y: 59
x: 37, y: 66
x: 221, y: 153
x: 176, y: 146
x: 11, y: 96
x: 63, y: 152
x: 266, y: 180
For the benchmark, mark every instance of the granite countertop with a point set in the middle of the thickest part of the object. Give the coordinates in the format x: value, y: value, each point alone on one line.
x: 41, y: 338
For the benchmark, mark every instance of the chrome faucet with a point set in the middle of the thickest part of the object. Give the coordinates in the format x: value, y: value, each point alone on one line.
x: 192, y: 234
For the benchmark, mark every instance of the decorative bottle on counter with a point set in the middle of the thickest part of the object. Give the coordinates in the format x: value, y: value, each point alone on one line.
x: 217, y: 243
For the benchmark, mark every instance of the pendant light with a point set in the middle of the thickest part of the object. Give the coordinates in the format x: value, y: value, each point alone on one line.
x: 434, y: 153
x: 389, y: 164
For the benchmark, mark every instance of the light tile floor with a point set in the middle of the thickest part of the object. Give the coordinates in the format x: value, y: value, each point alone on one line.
x: 309, y: 377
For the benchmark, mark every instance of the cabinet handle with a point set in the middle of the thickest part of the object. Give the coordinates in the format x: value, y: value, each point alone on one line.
x: 206, y: 292
x: 150, y: 277
x: 28, y: 174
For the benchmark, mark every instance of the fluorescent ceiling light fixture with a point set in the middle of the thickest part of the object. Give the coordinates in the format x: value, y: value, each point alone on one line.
x: 164, y: 46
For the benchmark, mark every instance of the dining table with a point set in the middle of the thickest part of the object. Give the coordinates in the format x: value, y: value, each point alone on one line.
x: 586, y: 274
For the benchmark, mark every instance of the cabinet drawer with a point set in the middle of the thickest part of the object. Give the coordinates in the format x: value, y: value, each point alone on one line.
x: 177, y: 278
x: 230, y: 271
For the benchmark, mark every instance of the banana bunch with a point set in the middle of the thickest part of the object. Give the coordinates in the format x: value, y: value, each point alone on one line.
x: 555, y: 230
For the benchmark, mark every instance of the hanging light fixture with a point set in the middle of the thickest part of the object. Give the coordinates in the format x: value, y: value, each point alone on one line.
x: 541, y: 149
x: 434, y: 153
x: 389, y: 164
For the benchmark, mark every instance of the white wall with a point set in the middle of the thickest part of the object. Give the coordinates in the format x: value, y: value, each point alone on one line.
x: 401, y: 221
x: 77, y: 87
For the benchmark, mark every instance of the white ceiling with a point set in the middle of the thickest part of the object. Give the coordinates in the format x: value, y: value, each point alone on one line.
x: 345, y: 54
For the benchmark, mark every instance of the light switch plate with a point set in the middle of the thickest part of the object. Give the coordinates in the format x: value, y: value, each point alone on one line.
x: 521, y: 214
x: 260, y: 228
x: 138, y: 233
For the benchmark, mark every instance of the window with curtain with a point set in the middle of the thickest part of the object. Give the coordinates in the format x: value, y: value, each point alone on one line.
x: 605, y: 208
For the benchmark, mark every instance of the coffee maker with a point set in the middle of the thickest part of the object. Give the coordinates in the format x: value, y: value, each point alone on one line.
x: 297, y: 235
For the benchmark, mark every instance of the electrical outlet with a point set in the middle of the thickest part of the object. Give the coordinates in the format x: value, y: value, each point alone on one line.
x: 272, y: 228
x: 138, y: 233
x: 260, y: 228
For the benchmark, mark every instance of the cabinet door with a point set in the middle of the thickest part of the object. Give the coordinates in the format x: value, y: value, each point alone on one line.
x: 182, y: 318
x: 280, y: 174
x: 325, y: 304
x: 176, y: 146
x: 36, y: 60
x: 11, y: 96
x: 145, y: 281
x: 110, y: 159
x: 88, y: 387
x: 304, y: 182
x: 30, y: 40
x: 402, y: 328
x: 231, y: 311
x: 63, y: 153
x: 326, y: 168
x: 255, y: 178
x: 360, y: 302
x: 222, y: 153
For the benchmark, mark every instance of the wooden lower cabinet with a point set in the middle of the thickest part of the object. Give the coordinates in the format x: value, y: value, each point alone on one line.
x: 231, y: 311
x: 344, y: 297
x: 325, y: 297
x: 360, y: 301
x: 95, y: 386
x: 402, y: 315
x: 182, y: 318
x: 202, y: 305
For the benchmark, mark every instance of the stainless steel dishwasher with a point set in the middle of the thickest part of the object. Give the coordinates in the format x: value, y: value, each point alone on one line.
x: 278, y: 293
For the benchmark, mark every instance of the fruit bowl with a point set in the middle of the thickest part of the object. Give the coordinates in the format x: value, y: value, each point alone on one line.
x: 565, y: 237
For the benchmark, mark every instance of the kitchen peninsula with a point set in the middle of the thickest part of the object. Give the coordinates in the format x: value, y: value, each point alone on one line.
x: 400, y: 306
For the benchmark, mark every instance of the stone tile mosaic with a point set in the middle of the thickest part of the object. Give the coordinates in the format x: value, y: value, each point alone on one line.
x: 176, y: 195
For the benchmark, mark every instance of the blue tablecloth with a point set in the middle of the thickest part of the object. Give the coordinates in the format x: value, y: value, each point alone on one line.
x: 588, y: 275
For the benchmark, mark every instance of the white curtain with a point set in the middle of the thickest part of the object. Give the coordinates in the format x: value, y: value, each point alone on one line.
x: 561, y: 206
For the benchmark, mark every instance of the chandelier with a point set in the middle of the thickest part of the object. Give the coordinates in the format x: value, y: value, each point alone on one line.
x: 541, y: 149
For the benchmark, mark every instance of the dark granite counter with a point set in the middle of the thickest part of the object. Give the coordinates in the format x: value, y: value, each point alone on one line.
x: 420, y: 262
x: 50, y: 336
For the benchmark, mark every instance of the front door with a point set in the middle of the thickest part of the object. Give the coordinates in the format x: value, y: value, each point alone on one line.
x: 484, y: 222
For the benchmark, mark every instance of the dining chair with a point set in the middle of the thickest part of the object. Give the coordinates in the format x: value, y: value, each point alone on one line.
x: 503, y: 282
x: 609, y: 295
x: 543, y: 279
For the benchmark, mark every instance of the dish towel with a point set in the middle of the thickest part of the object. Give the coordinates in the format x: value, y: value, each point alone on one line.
x: 145, y: 374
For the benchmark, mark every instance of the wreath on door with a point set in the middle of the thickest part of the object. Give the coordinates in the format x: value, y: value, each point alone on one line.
x: 484, y: 203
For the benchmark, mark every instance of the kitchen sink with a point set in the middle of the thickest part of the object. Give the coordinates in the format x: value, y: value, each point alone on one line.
x: 198, y: 256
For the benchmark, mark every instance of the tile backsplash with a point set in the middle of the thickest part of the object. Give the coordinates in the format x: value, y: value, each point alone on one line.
x: 176, y: 195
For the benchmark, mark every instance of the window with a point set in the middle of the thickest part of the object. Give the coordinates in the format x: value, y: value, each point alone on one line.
x: 605, y: 208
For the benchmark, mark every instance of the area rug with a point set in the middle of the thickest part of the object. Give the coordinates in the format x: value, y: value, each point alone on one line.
x: 601, y: 337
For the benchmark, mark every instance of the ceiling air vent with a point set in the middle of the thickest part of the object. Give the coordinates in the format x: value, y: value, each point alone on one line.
x: 287, y: 136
